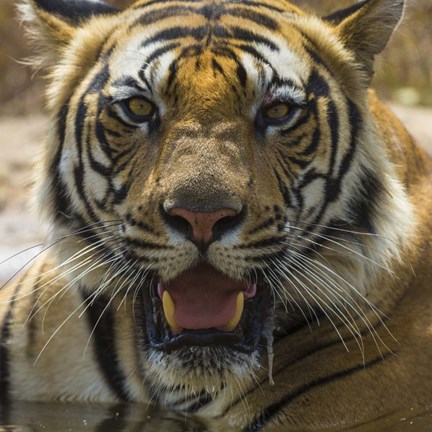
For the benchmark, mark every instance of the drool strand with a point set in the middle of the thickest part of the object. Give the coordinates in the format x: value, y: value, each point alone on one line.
x: 270, y: 357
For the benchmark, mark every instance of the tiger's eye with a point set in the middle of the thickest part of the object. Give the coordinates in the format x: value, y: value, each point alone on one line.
x: 277, y: 111
x: 140, y: 107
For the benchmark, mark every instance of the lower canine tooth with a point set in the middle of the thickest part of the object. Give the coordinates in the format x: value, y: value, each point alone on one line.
x: 169, y: 311
x: 238, y: 313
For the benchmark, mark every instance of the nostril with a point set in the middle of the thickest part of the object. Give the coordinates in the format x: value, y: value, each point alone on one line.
x: 177, y: 223
x: 202, y: 227
x: 228, y: 223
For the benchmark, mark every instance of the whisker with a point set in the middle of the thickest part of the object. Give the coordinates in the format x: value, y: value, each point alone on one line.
x: 318, y: 301
x: 351, y: 322
x: 368, y: 234
x: 346, y: 248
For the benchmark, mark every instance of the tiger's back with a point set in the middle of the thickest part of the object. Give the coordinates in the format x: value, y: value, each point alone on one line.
x: 221, y: 182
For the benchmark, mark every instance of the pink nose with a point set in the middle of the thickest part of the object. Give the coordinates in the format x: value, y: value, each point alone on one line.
x: 202, y: 223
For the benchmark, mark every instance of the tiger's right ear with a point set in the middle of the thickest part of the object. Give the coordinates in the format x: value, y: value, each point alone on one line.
x: 51, y: 24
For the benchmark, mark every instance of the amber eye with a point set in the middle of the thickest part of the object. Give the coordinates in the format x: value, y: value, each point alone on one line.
x: 139, y: 109
x: 278, y: 111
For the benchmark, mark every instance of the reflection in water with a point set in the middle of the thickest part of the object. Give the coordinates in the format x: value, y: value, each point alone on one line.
x: 66, y: 417
x: 58, y: 417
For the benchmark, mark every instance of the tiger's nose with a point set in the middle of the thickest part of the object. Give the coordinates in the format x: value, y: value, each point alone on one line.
x: 202, y: 228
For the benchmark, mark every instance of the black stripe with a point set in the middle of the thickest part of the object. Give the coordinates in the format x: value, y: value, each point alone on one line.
x: 158, y: 53
x: 201, y: 402
x: 141, y: 225
x: 262, y: 5
x: 129, y: 159
x: 301, y: 122
x: 99, y: 81
x: 145, y: 245
x: 241, y: 74
x: 272, y: 410
x: 155, y: 2
x: 4, y: 353
x: 31, y: 326
x: 120, y: 155
x: 120, y: 194
x: 104, y: 341
x: 104, y: 131
x: 253, y: 52
x: 58, y: 187
x: 363, y: 205
x: 197, y: 33
x: 171, y: 75
x: 217, y: 66
x: 95, y: 164
x: 316, y: 136
x: 311, y: 176
x: 333, y: 122
x: 283, y: 187
x: 244, y: 2
x: 300, y: 162
x: 128, y: 81
x: 112, y: 114
x: 262, y: 226
x: 338, y: 16
x: 242, y: 34
x: 252, y: 15
x: 76, y: 11
x: 212, y: 11
x: 152, y: 17
x: 4, y: 359
x: 318, y: 85
x: 79, y: 180
x: 281, y: 160
x: 313, y: 145
x: 355, y: 121
x: 100, y: 136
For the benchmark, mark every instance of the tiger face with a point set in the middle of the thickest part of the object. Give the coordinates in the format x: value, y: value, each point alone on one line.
x: 210, y: 154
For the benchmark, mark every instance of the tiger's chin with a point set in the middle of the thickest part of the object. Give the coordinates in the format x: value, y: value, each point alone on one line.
x: 204, y: 327
x: 194, y: 370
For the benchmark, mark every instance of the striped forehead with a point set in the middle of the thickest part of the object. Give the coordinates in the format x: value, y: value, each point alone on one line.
x: 160, y: 38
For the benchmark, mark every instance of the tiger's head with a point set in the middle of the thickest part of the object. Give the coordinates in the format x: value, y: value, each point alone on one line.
x: 217, y: 163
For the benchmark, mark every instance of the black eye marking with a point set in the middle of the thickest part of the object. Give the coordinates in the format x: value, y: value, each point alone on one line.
x: 277, y: 113
x: 139, y: 109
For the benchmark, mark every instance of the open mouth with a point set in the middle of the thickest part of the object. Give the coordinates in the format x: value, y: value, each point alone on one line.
x: 204, y: 307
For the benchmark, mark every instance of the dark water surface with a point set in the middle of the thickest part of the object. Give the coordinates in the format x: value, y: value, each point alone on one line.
x: 68, y: 417
x: 38, y: 417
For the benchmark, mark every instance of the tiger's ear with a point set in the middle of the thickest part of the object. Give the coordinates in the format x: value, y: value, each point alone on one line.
x: 51, y: 24
x: 366, y: 27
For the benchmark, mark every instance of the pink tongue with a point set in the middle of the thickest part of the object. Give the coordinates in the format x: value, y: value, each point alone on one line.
x: 204, y: 298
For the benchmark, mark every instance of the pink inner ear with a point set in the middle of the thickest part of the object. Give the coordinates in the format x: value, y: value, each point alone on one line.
x: 204, y: 297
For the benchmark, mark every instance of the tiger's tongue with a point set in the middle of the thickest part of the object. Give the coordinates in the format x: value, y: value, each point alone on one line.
x: 204, y: 298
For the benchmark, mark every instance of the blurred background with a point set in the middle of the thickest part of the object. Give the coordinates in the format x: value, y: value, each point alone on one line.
x: 404, y: 78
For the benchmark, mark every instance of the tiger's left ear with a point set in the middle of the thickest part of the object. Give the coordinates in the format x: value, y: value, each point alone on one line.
x: 51, y: 24
x: 366, y: 27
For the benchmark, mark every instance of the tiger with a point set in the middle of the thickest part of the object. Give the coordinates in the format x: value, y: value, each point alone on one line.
x: 239, y: 229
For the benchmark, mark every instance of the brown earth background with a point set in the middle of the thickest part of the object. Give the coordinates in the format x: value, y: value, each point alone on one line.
x: 403, y: 77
